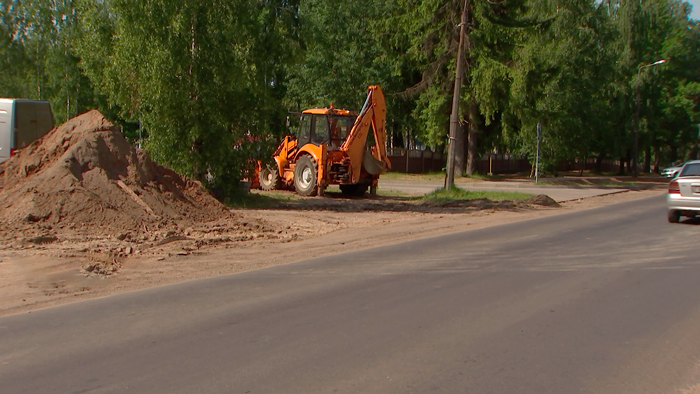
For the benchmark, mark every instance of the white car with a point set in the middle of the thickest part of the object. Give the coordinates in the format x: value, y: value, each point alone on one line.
x: 683, y: 198
x: 672, y: 171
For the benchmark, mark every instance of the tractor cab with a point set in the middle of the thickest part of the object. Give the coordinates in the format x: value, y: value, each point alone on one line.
x: 327, y: 126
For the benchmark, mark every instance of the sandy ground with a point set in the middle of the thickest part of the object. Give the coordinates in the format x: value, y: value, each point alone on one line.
x: 40, y: 275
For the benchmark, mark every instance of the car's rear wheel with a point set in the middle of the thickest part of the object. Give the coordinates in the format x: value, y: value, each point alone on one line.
x: 674, y: 216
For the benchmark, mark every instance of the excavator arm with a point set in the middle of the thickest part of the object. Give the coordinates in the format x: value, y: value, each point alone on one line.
x: 373, y: 113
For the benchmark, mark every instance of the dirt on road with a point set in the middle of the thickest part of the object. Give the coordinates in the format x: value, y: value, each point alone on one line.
x: 83, y: 214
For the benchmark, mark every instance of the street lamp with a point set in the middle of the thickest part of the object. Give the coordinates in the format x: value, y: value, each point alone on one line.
x: 637, y: 101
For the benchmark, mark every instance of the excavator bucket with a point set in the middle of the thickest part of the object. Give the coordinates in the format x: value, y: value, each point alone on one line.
x: 371, y: 165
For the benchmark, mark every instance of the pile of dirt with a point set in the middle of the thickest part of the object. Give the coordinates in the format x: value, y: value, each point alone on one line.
x: 542, y: 199
x: 86, y: 177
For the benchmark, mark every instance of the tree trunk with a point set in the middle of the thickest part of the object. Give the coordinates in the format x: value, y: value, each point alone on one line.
x: 472, y: 139
x: 407, y: 145
x: 656, y: 159
x: 647, y: 159
x: 599, y: 162
x: 622, y: 166
x: 673, y: 154
x: 460, y: 156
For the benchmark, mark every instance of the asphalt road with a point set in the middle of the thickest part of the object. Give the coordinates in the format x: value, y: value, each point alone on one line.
x: 600, y: 301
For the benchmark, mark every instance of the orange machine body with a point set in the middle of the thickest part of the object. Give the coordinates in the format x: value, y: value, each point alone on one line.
x: 330, y: 148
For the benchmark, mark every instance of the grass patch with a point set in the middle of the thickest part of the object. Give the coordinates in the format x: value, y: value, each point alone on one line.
x: 262, y: 199
x: 461, y: 194
x: 484, y: 177
x: 390, y: 193
x: 437, y: 176
x: 402, y: 176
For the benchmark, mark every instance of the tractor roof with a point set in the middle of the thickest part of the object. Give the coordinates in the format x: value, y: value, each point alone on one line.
x: 328, y: 111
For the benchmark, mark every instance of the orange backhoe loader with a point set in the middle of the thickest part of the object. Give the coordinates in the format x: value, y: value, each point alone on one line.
x: 330, y: 148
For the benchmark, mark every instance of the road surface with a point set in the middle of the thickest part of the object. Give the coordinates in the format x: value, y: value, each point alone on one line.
x: 599, y: 301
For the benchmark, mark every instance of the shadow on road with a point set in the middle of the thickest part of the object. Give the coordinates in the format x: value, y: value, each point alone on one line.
x: 691, y: 221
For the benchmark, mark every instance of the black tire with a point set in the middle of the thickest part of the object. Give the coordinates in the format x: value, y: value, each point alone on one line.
x: 306, y: 176
x: 270, y: 178
x: 356, y: 189
x: 674, y: 216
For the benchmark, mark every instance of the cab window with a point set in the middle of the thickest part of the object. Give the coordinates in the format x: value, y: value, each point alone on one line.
x: 321, y: 133
x: 341, y: 126
x: 304, y: 129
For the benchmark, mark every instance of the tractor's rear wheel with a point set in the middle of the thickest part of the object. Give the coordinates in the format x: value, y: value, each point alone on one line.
x: 355, y: 189
x: 306, y: 176
x: 270, y: 178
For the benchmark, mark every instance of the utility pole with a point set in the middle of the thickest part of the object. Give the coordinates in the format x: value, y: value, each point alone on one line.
x: 454, y: 117
x: 697, y: 144
x: 637, y: 101
x: 537, y: 161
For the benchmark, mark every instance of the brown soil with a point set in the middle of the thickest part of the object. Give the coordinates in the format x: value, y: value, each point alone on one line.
x: 86, y: 178
x: 83, y: 214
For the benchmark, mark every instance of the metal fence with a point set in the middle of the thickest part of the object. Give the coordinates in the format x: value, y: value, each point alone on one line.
x: 422, y: 161
x: 416, y: 161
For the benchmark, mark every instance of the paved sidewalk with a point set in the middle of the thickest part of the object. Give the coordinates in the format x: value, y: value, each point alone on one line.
x: 557, y: 193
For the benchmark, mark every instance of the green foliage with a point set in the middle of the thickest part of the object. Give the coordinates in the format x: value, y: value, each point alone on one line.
x: 210, y: 83
x: 39, y: 61
x: 560, y: 82
x: 341, y: 57
x: 205, y: 82
x: 650, y: 31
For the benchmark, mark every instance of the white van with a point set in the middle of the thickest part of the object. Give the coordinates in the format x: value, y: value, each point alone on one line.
x: 21, y: 122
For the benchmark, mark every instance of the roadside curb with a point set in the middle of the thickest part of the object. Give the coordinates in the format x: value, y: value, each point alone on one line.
x: 518, y: 185
x: 597, y: 195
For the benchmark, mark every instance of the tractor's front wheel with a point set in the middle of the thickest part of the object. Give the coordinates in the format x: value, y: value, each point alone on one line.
x: 270, y: 178
x: 306, y: 176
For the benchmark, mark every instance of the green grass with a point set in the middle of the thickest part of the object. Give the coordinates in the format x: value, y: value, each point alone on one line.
x: 484, y: 177
x: 262, y: 199
x: 390, y: 193
x: 258, y: 199
x: 461, y: 194
x: 402, y: 176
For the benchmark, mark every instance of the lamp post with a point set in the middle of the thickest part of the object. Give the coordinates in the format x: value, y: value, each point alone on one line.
x: 637, y: 102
